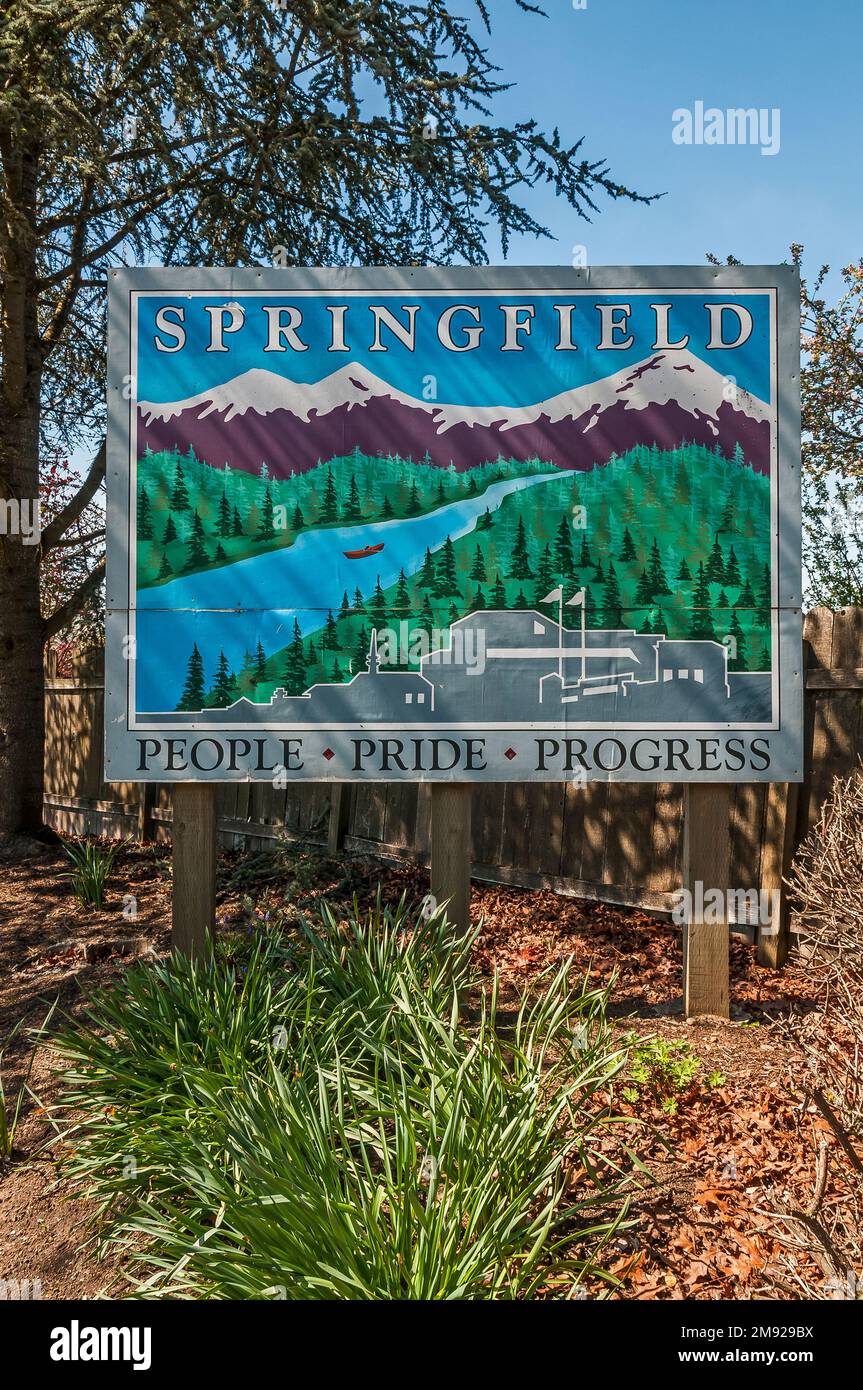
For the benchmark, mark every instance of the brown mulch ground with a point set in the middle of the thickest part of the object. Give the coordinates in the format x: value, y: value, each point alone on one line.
x: 729, y: 1151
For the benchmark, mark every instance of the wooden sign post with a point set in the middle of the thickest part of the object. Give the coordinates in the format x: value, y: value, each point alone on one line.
x: 781, y: 816
x: 706, y: 867
x: 451, y: 849
x: 193, y: 911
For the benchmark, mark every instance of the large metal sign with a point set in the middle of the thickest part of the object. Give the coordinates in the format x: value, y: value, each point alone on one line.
x: 509, y: 524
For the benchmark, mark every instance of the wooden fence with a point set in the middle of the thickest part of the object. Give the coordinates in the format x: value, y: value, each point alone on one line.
x: 613, y: 841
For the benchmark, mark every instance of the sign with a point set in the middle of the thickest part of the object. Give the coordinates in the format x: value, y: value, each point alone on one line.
x: 529, y: 524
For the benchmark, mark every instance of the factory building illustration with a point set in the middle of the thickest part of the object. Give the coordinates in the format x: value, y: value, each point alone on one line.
x: 522, y: 667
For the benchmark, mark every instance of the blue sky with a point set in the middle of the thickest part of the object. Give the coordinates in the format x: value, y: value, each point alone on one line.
x: 614, y: 73
x: 616, y: 70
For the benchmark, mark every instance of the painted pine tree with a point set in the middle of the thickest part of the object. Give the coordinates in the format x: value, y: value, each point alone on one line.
x: 612, y: 612
x: 361, y: 650
x: 414, y: 504
x: 330, y: 503
x: 644, y: 589
x: 197, y: 554
x: 222, y: 686
x: 193, y: 694
x: 352, y: 511
x: 519, y: 564
x: 716, y: 563
x: 377, y: 605
x: 427, y: 576
x: 658, y: 580
x: 224, y: 523
x: 331, y: 632
x: 627, y: 548
x: 738, y: 653
x: 144, y: 526
x: 747, y: 598
x: 295, y: 667
x: 765, y: 598
x: 402, y: 599
x: 731, y: 577
x: 564, y: 561
x: 700, y: 618
x: 544, y: 575
x: 267, y: 529
x: 477, y: 571
x: 446, y: 580
x: 179, y: 495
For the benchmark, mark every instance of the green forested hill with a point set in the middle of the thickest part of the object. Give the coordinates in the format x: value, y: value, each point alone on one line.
x: 193, y: 517
x: 674, y: 541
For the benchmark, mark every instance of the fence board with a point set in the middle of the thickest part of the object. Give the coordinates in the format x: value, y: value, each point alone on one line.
x: 401, y: 814
x: 487, y: 822
x: 664, y: 875
x: 630, y: 812
x: 613, y: 840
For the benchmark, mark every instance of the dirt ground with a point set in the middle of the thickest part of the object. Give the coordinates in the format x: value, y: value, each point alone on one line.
x: 732, y: 1149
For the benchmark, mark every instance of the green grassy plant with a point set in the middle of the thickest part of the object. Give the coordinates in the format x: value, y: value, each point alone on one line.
x: 316, y: 1123
x: 91, y: 868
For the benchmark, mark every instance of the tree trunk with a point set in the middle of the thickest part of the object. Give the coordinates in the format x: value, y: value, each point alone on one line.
x: 22, y: 716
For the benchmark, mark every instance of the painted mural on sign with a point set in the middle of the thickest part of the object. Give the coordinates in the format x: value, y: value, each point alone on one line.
x: 429, y: 507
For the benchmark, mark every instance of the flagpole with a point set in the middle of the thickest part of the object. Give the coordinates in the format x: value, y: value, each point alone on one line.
x: 583, y: 637
x: 549, y: 598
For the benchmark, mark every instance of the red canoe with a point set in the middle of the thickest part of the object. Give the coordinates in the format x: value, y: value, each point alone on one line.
x: 361, y: 554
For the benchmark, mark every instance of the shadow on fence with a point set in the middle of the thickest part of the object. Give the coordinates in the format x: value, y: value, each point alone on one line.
x: 613, y: 841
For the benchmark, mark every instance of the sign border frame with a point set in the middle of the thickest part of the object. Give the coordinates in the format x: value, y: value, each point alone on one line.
x: 783, y: 280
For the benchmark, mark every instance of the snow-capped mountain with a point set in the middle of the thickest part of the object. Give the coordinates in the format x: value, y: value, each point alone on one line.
x: 678, y: 377
x: 260, y: 416
x: 264, y: 392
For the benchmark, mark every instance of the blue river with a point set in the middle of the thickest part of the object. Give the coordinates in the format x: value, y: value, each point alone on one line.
x: 231, y: 608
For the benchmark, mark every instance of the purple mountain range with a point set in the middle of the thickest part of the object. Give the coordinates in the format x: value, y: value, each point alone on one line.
x: 261, y: 417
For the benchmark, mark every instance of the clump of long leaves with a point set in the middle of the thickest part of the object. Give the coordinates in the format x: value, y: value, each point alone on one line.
x: 91, y: 868
x: 12, y: 1105
x: 318, y: 1123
